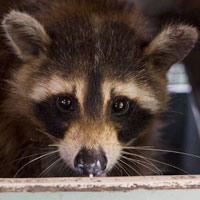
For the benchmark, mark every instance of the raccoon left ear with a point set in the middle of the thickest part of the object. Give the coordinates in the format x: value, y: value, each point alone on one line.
x: 171, y: 45
x: 26, y: 35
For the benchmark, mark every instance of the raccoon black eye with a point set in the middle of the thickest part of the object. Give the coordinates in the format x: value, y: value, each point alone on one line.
x: 120, y: 106
x: 64, y: 103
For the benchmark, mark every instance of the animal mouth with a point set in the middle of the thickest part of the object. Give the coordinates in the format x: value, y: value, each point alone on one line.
x: 101, y: 175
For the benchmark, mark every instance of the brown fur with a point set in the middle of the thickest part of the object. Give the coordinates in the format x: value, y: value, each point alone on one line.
x: 134, y: 58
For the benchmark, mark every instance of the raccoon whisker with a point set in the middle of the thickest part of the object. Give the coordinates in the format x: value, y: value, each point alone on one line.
x: 163, y: 150
x: 69, y: 172
x: 116, y: 169
x: 44, y: 148
x: 134, y: 163
x: 32, y: 155
x: 50, y: 167
x: 58, y: 145
x: 172, y: 111
x: 63, y: 169
x: 55, y: 145
x: 145, y: 160
x: 38, y: 158
x: 121, y: 166
x: 142, y: 157
x: 144, y: 164
x: 130, y: 167
x: 157, y: 161
x: 126, y: 147
x: 120, y: 171
x: 60, y: 165
x: 53, y: 138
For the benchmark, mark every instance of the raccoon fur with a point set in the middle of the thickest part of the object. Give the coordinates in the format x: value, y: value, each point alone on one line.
x: 83, y: 83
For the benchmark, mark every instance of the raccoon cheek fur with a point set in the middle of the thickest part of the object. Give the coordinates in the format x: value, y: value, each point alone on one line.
x: 91, y: 65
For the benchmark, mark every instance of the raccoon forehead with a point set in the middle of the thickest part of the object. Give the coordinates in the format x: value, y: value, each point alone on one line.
x: 57, y: 85
x: 142, y: 93
x: 131, y: 89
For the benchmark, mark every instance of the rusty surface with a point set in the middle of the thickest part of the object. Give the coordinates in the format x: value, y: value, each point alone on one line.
x: 100, y: 184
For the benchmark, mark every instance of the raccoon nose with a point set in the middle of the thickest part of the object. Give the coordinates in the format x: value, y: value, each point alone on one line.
x: 90, y: 162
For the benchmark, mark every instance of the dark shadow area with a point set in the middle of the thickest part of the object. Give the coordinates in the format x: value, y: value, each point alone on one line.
x: 182, y: 134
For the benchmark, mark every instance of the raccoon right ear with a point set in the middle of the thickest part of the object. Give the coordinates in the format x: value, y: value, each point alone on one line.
x: 26, y: 35
x: 171, y: 45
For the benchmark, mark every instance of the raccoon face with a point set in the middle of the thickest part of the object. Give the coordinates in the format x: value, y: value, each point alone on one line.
x: 95, y: 88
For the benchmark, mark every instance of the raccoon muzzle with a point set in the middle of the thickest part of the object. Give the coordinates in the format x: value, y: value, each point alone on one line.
x: 90, y: 162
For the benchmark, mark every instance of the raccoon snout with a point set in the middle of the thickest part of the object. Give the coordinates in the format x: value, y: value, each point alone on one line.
x: 90, y: 162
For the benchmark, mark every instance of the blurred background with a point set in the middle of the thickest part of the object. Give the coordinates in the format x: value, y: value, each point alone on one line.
x: 182, y: 130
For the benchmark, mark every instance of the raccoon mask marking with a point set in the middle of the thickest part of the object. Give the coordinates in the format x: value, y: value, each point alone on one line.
x: 90, y: 82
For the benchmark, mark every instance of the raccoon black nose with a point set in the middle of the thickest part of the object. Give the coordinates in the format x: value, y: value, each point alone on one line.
x: 90, y: 162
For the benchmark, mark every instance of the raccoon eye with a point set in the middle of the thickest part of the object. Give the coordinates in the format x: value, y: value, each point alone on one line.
x: 120, y: 106
x: 65, y: 103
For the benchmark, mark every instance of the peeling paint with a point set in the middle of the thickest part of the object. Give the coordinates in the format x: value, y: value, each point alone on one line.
x: 100, y: 184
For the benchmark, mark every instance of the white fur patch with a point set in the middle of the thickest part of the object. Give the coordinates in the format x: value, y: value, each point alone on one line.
x: 144, y: 96
x: 57, y: 85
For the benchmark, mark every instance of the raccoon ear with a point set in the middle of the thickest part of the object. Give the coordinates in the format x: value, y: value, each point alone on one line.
x: 171, y: 45
x: 26, y: 35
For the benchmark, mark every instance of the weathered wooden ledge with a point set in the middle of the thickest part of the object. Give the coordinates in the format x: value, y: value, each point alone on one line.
x: 99, y: 184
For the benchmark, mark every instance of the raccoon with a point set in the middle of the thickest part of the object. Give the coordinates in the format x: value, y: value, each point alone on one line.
x: 83, y: 84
